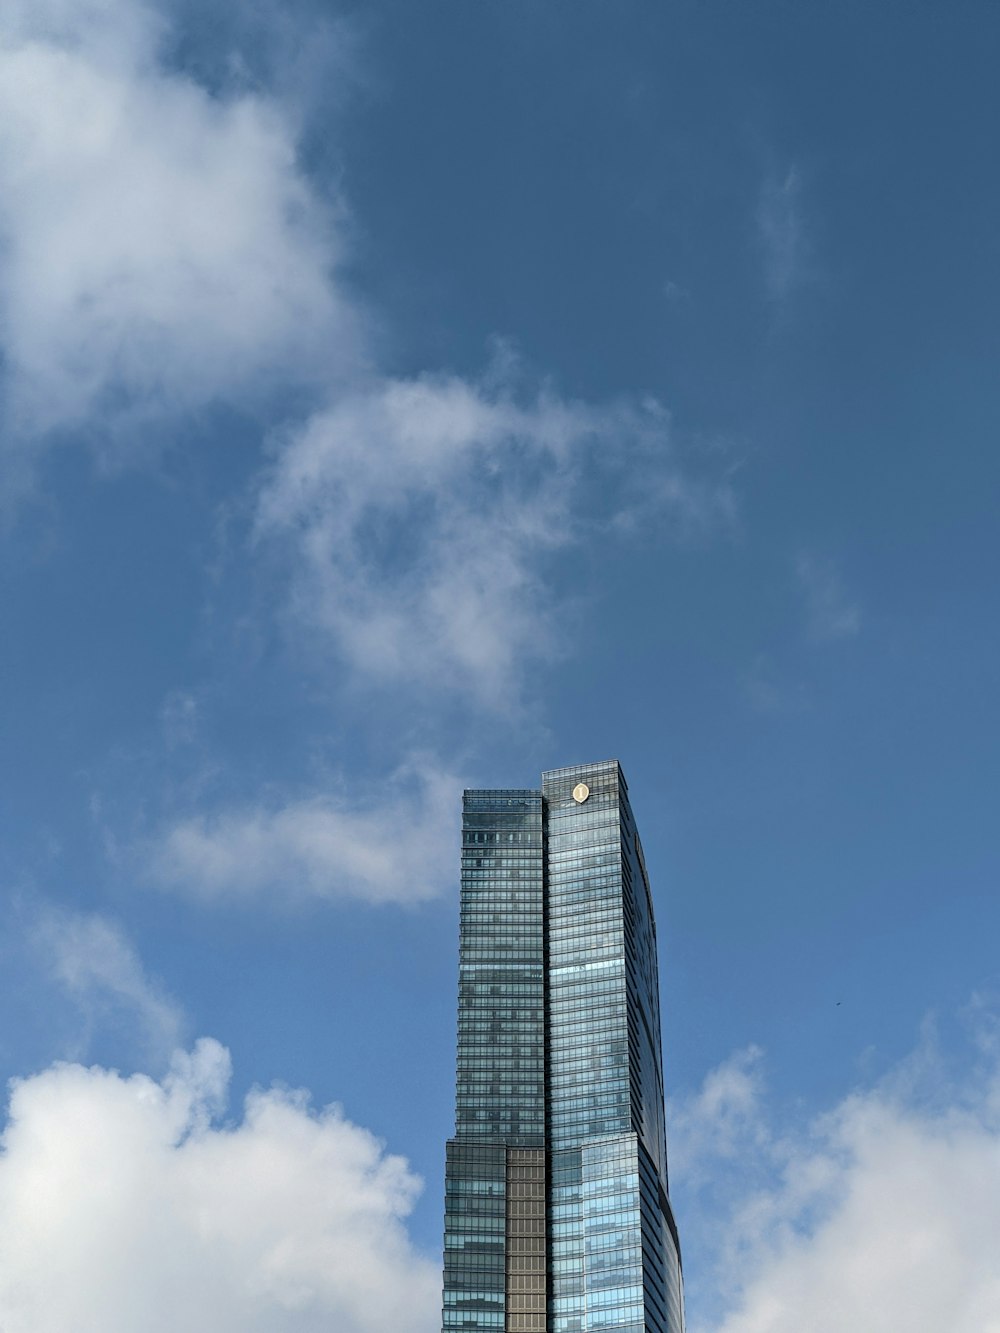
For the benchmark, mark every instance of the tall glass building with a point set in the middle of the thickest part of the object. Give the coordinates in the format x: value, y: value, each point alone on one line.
x: 557, y: 1216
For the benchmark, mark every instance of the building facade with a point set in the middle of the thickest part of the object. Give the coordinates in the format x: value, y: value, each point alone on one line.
x: 557, y: 1216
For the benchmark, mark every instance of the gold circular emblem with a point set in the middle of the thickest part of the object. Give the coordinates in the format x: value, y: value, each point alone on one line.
x: 580, y: 792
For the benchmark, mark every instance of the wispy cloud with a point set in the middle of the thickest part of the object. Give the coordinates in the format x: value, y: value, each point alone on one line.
x: 416, y: 516
x: 125, y: 1205
x: 179, y: 717
x: 725, y: 1117
x: 768, y: 691
x: 99, y: 968
x: 780, y: 231
x: 830, y: 611
x: 394, y: 843
x: 162, y: 247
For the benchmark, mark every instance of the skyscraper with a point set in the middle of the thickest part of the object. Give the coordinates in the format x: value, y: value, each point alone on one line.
x: 557, y: 1217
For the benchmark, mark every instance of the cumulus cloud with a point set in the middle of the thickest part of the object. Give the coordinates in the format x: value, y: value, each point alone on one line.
x: 125, y: 1204
x: 418, y: 513
x: 99, y: 968
x: 160, y: 246
x: 830, y: 611
x: 391, y: 844
x: 881, y: 1214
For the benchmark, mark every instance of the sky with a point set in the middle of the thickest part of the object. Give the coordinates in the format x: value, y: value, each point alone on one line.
x: 396, y: 398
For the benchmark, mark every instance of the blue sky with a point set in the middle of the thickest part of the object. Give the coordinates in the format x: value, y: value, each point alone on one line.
x: 396, y: 398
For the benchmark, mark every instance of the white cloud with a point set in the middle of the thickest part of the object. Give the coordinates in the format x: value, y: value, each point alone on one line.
x: 161, y: 246
x: 125, y: 1205
x: 881, y: 1215
x: 418, y: 514
x: 830, y: 611
x: 393, y: 844
x: 99, y: 968
x: 722, y: 1119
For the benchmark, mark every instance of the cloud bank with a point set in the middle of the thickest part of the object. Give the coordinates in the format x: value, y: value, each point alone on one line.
x: 126, y: 1205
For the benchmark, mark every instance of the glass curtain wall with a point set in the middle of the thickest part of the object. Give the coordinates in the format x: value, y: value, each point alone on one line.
x: 494, y: 1193
x: 557, y: 1213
